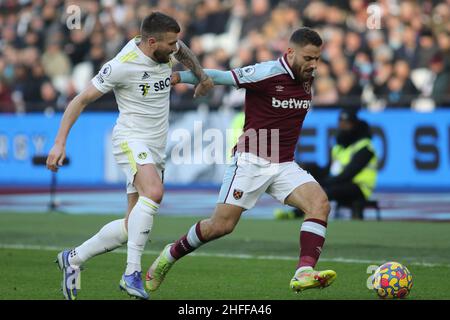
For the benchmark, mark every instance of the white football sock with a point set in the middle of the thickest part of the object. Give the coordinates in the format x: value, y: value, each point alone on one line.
x: 110, y: 237
x: 140, y: 224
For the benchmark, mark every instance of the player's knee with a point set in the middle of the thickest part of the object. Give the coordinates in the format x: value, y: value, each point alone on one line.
x: 319, y: 208
x: 155, y: 192
x: 322, y: 207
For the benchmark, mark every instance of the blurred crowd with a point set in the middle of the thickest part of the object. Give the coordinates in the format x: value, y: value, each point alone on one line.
x: 395, y: 54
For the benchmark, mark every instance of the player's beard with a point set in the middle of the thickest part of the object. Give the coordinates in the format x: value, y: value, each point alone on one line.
x: 161, y: 56
x: 299, y: 72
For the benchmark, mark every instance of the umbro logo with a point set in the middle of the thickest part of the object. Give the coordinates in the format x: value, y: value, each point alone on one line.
x: 279, y: 88
x: 145, y: 76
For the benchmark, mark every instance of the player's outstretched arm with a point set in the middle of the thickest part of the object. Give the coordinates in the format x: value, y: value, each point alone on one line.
x: 189, y: 60
x: 218, y: 76
x: 76, y: 106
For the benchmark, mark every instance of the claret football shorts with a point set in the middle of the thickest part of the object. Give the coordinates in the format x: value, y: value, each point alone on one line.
x: 249, y: 176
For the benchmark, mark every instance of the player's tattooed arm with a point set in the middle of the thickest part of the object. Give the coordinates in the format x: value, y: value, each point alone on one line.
x: 188, y: 59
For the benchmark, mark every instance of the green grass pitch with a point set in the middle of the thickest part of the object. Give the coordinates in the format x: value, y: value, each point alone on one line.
x: 255, y: 262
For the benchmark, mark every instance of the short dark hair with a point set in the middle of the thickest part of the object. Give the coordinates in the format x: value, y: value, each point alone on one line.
x: 305, y: 36
x: 157, y: 23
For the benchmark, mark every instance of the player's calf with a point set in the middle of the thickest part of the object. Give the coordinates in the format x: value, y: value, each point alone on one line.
x: 213, y: 229
x: 312, y: 240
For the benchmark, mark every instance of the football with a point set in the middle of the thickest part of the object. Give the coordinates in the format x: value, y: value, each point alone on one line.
x: 392, y: 280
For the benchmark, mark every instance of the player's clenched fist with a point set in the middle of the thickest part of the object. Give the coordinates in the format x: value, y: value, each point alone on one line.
x: 175, y: 78
x: 56, y: 157
x: 203, y: 87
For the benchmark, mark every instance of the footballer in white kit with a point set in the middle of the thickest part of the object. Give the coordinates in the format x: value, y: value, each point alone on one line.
x: 140, y: 77
x: 142, y: 88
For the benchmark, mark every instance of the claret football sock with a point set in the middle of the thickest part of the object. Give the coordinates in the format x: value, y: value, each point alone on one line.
x: 140, y: 225
x: 312, y: 238
x: 110, y: 237
x: 186, y: 244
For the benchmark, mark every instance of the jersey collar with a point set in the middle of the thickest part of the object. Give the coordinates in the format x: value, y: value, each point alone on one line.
x: 146, y: 58
x: 286, y: 66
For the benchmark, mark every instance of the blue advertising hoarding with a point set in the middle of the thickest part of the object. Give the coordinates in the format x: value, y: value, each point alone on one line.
x: 413, y: 148
x: 22, y: 137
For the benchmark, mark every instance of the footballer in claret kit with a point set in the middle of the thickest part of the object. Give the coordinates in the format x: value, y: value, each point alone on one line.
x: 277, y: 99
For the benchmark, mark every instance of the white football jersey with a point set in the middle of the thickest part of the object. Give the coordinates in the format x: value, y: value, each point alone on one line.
x: 142, y: 90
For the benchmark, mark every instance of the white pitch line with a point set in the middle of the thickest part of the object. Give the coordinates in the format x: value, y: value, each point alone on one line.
x: 230, y: 255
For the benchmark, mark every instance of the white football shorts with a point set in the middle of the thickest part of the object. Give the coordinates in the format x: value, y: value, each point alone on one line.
x: 129, y: 154
x: 249, y: 176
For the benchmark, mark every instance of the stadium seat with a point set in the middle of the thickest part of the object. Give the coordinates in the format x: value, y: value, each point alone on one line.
x: 357, y: 207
